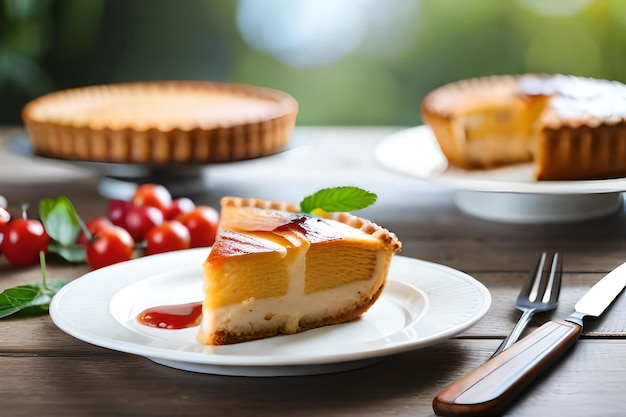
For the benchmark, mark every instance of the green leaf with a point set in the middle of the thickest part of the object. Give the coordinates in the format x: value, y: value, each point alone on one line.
x: 337, y: 199
x: 29, y: 299
x: 60, y: 220
x: 73, y: 253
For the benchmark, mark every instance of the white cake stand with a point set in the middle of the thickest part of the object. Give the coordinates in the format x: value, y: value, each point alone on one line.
x: 509, y: 194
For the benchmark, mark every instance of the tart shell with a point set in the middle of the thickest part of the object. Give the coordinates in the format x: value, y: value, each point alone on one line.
x: 161, y: 122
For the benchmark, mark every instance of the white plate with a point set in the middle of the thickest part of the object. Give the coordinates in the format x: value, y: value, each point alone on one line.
x: 415, y: 152
x: 423, y: 304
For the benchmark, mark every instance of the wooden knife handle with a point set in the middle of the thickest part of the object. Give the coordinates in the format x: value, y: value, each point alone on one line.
x: 492, y: 387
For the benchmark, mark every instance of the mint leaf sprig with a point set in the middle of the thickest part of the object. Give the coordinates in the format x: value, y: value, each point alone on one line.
x: 338, y: 199
x: 30, y: 299
x: 63, y: 225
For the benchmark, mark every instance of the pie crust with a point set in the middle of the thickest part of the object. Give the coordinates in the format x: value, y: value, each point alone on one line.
x: 163, y: 122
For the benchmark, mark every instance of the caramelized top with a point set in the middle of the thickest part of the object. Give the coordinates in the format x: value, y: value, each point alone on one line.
x: 231, y: 243
x: 313, y: 229
x: 290, y: 233
x: 249, y: 225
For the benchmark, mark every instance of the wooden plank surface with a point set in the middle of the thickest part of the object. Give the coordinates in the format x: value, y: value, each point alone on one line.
x: 96, y: 382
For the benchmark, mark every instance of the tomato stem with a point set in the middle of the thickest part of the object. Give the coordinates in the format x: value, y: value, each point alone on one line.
x: 85, y: 229
x: 42, y: 262
x: 25, y: 211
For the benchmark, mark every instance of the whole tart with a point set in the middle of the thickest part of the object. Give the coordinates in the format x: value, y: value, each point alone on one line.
x: 274, y: 270
x: 161, y: 122
x: 572, y: 128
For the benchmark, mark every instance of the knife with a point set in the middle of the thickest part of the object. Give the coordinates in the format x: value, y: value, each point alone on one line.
x: 492, y: 387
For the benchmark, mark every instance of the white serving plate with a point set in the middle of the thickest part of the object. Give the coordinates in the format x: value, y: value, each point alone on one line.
x: 423, y: 304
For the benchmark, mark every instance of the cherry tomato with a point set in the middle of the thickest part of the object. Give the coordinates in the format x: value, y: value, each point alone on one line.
x: 202, y: 224
x: 23, y: 240
x: 5, y: 217
x: 110, y: 245
x: 139, y: 220
x: 179, y: 206
x: 152, y: 195
x: 169, y: 236
x: 117, y: 211
x: 93, y: 226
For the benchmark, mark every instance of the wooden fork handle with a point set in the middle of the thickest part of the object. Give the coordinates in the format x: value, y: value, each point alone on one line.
x: 492, y: 387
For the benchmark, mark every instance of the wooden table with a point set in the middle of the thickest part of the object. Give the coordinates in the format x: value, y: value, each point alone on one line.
x: 45, y: 372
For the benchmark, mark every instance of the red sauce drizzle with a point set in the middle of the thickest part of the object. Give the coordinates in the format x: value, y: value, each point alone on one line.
x: 177, y: 316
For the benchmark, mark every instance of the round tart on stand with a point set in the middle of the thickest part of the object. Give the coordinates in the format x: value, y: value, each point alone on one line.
x: 162, y: 129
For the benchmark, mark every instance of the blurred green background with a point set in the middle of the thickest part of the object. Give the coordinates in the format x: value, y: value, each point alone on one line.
x: 347, y: 62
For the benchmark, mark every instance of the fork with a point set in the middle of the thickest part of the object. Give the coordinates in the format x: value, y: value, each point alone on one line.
x: 540, y: 293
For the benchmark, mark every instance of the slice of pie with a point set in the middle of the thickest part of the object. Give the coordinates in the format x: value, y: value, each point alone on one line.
x: 274, y: 270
